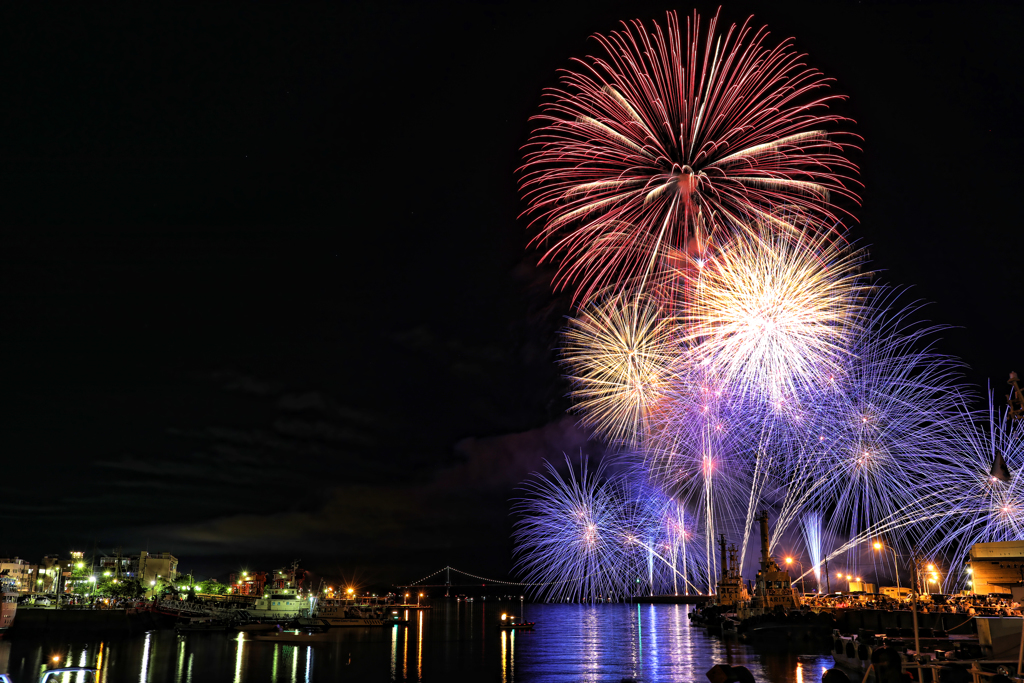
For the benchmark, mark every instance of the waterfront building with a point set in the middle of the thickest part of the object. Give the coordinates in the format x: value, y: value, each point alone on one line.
x: 896, y: 592
x: 862, y: 587
x: 145, y: 566
x: 248, y: 583
x: 997, y: 567
x: 23, y: 573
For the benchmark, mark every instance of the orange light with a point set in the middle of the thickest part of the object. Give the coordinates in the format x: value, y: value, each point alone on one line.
x: 878, y: 546
x: 789, y: 560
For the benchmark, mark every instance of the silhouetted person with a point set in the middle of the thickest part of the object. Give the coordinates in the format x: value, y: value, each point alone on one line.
x: 834, y: 676
x: 888, y: 665
x: 741, y: 674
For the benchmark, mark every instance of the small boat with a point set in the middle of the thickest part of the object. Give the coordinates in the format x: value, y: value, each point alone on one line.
x: 509, y: 623
x: 200, y: 624
x: 292, y: 637
x: 255, y: 627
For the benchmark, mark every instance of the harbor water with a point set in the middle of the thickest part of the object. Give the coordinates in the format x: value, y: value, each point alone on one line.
x: 451, y: 642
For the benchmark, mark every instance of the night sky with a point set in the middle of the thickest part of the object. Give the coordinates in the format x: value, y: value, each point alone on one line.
x: 265, y: 290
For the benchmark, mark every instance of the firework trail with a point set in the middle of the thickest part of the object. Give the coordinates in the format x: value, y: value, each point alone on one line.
x: 811, y: 529
x: 671, y: 138
x: 619, y: 356
x: 702, y: 455
x: 677, y: 552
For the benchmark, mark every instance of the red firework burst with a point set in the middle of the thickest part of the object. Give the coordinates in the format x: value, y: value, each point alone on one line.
x: 648, y: 153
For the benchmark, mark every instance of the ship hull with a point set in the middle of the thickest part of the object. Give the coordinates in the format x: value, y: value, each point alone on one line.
x: 336, y: 622
x: 8, y: 608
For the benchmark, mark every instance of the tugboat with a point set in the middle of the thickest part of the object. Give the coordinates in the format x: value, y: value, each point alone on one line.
x: 8, y: 601
x: 719, y: 615
x: 774, y: 611
x: 773, y: 591
x: 280, y: 602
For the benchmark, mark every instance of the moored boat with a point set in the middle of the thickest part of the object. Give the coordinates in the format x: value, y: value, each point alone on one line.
x: 281, y: 600
x: 336, y: 612
x: 200, y: 624
x: 8, y: 602
x: 293, y: 637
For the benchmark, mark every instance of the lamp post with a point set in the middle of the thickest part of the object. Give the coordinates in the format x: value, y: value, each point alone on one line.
x: 915, y: 583
x: 803, y: 589
x: 896, y: 567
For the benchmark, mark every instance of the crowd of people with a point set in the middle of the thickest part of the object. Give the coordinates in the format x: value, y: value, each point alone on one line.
x: 954, y: 604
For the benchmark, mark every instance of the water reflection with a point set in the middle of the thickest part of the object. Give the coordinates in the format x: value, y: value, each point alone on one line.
x: 504, y: 657
x: 143, y: 676
x: 239, y: 654
x: 457, y: 641
x: 419, y: 645
x: 394, y: 652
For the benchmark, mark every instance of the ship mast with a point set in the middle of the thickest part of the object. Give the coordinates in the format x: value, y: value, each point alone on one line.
x: 725, y: 560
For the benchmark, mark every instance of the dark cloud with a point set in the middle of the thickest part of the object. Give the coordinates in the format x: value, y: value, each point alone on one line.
x: 457, y: 509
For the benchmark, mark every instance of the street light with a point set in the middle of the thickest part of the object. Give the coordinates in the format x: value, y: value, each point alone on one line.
x: 803, y: 588
x: 418, y: 599
x: 896, y: 568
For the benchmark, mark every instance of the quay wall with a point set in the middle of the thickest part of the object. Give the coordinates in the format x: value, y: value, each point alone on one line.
x: 851, y: 620
x: 35, y: 621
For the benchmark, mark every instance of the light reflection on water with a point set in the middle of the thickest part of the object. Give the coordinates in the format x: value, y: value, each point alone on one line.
x: 451, y: 642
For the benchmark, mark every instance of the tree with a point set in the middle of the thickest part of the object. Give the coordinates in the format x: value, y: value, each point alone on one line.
x: 211, y: 587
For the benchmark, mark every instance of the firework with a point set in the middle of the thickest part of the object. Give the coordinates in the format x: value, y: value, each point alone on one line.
x: 589, y: 535
x: 774, y: 317
x: 700, y: 455
x: 669, y: 139
x: 882, y: 432
x: 571, y: 540
x: 971, y: 503
x: 728, y: 340
x: 619, y: 355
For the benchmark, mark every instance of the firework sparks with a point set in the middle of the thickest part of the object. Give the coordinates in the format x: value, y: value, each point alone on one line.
x: 671, y: 138
x: 572, y: 540
x: 619, y: 355
x: 775, y: 316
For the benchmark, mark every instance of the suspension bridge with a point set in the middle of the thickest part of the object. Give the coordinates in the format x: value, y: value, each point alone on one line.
x: 463, y: 580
